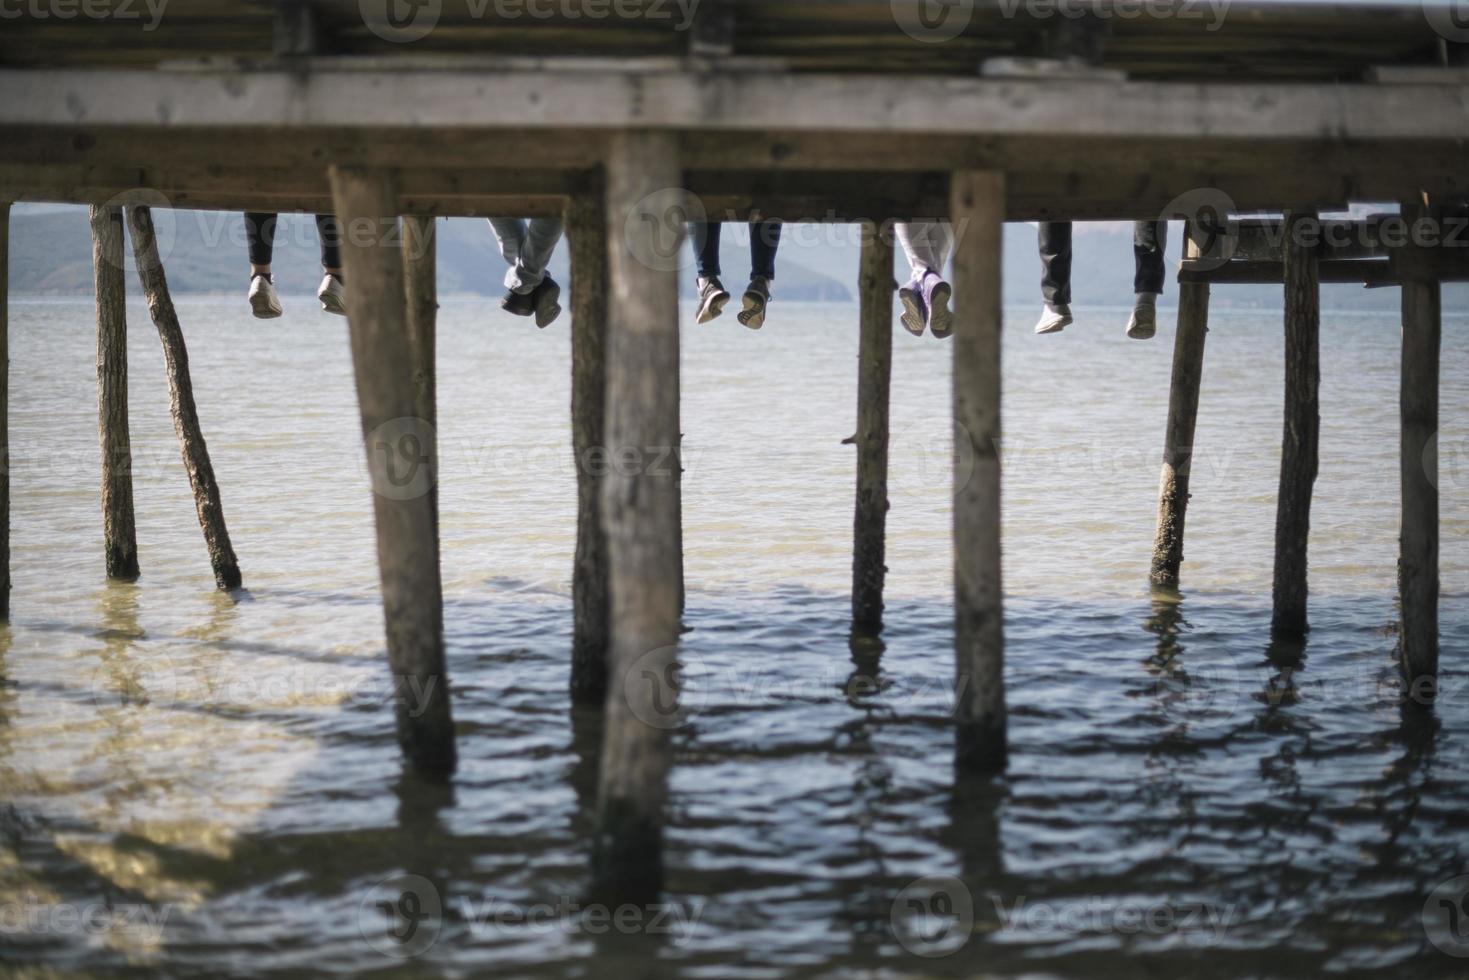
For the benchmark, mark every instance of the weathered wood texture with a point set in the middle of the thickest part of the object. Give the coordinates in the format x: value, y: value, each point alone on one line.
x: 640, y: 507
x: 181, y: 395
x: 1418, y: 547
x: 1302, y: 431
x: 119, y: 531
x: 979, y: 634
x: 874, y: 375
x: 4, y: 409
x: 1178, y: 439
x: 397, y: 441
x: 586, y: 227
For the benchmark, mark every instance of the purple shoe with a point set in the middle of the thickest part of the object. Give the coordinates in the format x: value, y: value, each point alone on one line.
x: 936, y: 296
x: 915, y: 310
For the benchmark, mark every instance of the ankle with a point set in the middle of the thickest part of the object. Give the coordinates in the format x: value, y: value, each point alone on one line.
x: 1146, y: 299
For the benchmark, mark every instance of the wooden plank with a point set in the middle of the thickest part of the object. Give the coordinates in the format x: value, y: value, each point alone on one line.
x: 1302, y: 432
x: 979, y: 629
x: 4, y: 409
x: 194, y: 450
x: 640, y: 508
x: 1368, y: 272
x: 1178, y: 439
x: 1418, y: 402
x: 874, y: 375
x: 119, y: 530
x: 556, y: 97
x: 586, y: 229
x: 400, y: 467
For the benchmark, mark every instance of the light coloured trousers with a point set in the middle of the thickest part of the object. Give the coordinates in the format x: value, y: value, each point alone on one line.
x: 928, y: 245
x: 527, y: 246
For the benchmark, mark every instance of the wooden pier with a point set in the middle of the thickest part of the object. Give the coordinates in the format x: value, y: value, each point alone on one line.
x: 620, y: 116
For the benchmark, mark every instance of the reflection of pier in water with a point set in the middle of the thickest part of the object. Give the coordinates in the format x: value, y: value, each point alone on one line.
x: 812, y: 111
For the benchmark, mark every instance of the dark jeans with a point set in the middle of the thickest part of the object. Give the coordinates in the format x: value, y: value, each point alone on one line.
x: 260, y: 233
x: 1149, y: 241
x: 764, y: 241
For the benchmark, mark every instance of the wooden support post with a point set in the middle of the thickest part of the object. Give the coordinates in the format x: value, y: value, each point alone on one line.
x: 421, y: 294
x: 586, y: 227
x: 640, y: 507
x: 1418, y: 546
x: 4, y: 409
x: 1183, y: 413
x: 181, y: 394
x: 978, y: 214
x: 1302, y: 429
x: 119, y: 532
x: 874, y: 373
x: 396, y: 438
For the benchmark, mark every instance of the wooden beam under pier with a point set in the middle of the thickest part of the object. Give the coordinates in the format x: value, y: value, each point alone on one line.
x: 119, y: 530
x: 979, y: 628
x: 395, y: 439
x: 640, y: 507
x: 1302, y: 430
x: 874, y: 376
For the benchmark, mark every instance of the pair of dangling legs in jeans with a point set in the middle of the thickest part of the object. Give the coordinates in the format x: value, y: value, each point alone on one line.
x: 260, y: 228
x: 1149, y: 241
x: 764, y: 243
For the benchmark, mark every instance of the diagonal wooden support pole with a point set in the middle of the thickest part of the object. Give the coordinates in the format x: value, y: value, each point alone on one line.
x: 398, y: 441
x: 978, y: 214
x: 181, y: 392
x: 1298, y: 448
x: 640, y: 507
x: 119, y: 530
x: 586, y: 227
x: 1183, y: 415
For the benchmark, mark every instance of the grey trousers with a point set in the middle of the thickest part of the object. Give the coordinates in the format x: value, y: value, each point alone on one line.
x: 527, y: 246
x: 928, y: 245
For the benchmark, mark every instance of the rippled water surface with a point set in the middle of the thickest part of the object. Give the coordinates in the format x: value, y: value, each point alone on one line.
x: 1183, y: 798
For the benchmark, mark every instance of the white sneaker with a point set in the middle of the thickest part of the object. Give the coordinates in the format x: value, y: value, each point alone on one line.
x: 333, y: 295
x: 264, y: 303
x: 1144, y: 320
x: 1054, y: 319
x: 712, y: 297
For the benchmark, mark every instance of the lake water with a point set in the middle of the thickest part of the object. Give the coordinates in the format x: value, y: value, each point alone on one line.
x: 199, y: 784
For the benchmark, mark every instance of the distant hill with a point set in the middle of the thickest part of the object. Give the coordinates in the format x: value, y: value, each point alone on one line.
x: 51, y: 254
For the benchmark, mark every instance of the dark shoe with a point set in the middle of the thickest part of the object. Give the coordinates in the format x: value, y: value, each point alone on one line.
x: 712, y: 297
x: 756, y: 299
x: 519, y: 304
x: 545, y: 300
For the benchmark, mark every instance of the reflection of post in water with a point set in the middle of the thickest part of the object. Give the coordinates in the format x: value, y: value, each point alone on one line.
x: 1286, y: 655
x: 1167, y: 623
x: 586, y: 746
x: 122, y: 682
x: 974, y: 835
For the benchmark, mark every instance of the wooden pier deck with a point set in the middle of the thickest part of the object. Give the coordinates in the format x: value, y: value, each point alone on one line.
x: 629, y: 116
